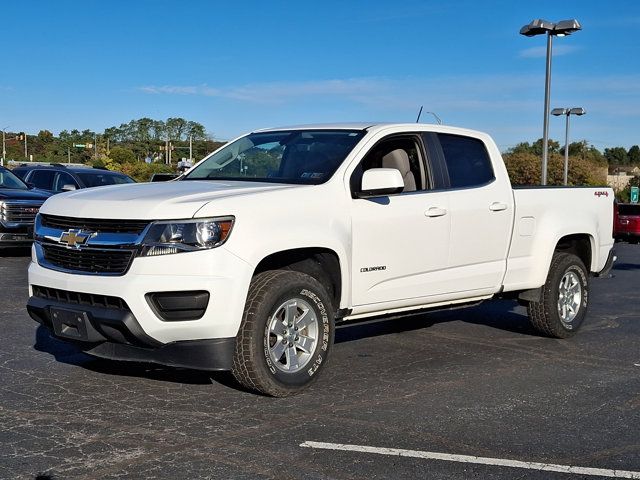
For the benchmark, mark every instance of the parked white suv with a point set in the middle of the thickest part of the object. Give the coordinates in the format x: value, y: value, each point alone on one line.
x: 247, y: 262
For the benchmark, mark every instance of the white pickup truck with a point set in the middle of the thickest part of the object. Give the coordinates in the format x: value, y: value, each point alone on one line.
x: 248, y: 261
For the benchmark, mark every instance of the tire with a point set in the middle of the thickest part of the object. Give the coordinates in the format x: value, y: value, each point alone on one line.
x: 286, y: 333
x: 564, y: 299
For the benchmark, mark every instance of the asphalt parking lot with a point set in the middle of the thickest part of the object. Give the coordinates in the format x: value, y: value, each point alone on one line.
x: 474, y: 382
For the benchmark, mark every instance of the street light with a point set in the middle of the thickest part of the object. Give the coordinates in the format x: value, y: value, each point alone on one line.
x: 568, y: 112
x: 559, y: 29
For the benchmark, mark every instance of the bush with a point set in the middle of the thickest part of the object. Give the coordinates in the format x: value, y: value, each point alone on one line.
x: 524, y: 169
x: 141, y: 171
x: 122, y: 155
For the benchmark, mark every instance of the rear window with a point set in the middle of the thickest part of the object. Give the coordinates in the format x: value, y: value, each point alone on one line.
x: 100, y: 179
x: 627, y: 209
x: 467, y: 161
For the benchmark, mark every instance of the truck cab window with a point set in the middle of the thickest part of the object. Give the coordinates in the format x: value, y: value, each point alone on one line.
x: 403, y: 154
x: 467, y: 160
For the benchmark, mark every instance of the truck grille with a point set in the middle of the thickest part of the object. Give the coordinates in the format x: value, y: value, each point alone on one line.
x: 19, y: 212
x: 89, y: 260
x: 98, y: 225
x: 79, y: 298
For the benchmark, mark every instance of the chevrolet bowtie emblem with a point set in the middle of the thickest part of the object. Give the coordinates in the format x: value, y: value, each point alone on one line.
x: 75, y: 238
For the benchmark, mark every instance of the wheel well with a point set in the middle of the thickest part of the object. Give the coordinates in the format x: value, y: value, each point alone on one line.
x: 579, y: 245
x: 320, y: 263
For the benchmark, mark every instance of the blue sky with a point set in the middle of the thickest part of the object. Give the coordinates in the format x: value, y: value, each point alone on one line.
x: 237, y: 66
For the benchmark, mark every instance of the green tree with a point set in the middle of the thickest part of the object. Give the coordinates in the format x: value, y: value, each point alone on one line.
x: 624, y: 196
x: 585, y: 151
x: 45, y: 136
x: 536, y: 147
x: 616, y: 156
x: 122, y: 155
x: 634, y: 154
x: 196, y: 130
x: 176, y: 128
x: 525, y: 169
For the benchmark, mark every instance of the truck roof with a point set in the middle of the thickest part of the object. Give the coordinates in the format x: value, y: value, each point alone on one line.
x: 372, y: 127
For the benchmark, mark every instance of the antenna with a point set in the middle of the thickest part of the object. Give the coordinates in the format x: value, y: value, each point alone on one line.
x: 438, y: 119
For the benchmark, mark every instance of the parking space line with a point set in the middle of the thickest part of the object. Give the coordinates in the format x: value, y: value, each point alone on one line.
x: 500, y: 462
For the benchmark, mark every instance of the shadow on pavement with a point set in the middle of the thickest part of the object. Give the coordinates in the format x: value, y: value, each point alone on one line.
x: 495, y: 314
x: 65, y: 352
x: 15, y: 252
x: 626, y: 266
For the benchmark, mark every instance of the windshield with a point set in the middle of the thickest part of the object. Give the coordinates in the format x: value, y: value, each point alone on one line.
x: 9, y: 180
x: 106, y: 178
x: 292, y: 156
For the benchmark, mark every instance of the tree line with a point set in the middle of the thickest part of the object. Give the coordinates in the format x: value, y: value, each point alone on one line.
x: 139, y: 147
x: 140, y: 139
x: 587, y: 165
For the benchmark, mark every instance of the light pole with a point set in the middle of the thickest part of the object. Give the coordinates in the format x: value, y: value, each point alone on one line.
x: 567, y: 112
x: 560, y: 29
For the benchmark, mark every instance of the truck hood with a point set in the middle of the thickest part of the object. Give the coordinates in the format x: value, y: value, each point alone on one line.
x: 19, y: 194
x: 150, y: 201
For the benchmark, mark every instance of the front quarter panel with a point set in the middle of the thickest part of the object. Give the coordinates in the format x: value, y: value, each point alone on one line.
x: 302, y: 217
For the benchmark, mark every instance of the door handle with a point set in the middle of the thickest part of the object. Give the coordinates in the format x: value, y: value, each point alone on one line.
x: 497, y: 206
x: 435, y: 212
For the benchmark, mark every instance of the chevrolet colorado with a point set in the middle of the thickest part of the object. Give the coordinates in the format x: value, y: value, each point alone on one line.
x: 247, y: 261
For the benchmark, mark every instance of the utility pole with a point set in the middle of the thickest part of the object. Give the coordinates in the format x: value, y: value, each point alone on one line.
x: 25, y: 145
x: 4, y: 149
x: 95, y: 146
x: 166, y: 150
x: 191, y: 148
x: 107, y: 146
x: 68, y: 154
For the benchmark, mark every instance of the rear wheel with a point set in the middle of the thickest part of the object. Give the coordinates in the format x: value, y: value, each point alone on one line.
x: 286, y: 333
x: 564, y: 299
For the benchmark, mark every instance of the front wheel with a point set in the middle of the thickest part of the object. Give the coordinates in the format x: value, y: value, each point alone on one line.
x: 286, y: 333
x: 564, y: 299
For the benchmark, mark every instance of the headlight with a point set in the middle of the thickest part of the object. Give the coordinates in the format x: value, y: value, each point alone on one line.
x: 175, y: 236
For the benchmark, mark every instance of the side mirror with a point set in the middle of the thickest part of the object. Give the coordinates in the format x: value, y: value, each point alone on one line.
x: 68, y: 188
x: 380, y: 181
x: 30, y: 185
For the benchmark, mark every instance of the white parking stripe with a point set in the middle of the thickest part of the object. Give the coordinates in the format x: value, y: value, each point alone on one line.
x: 501, y: 462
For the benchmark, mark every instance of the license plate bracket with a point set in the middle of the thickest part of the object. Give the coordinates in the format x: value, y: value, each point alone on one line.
x: 69, y: 323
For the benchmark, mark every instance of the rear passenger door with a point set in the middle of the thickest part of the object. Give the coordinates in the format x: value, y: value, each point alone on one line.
x: 481, y: 208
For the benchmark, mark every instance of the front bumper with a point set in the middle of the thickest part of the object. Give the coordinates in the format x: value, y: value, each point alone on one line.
x: 20, y: 236
x: 114, y: 333
x: 220, y: 273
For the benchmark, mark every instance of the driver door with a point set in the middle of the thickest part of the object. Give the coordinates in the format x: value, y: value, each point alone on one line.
x: 400, y: 242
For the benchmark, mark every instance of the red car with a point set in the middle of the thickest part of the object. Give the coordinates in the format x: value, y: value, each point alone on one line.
x: 627, y: 222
